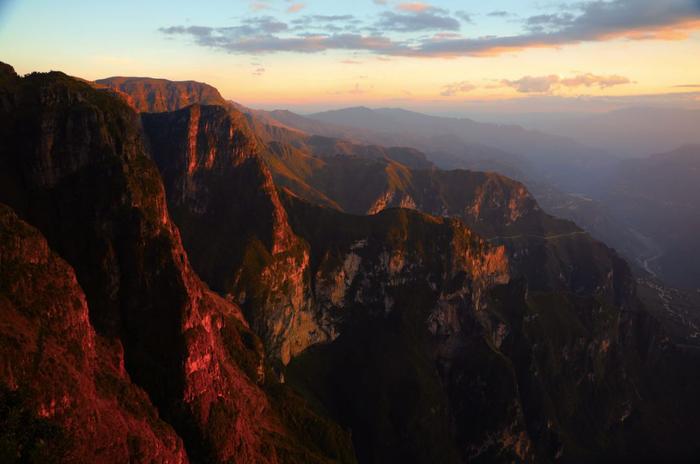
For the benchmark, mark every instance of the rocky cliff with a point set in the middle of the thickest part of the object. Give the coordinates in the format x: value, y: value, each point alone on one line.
x: 74, y: 165
x: 234, y: 227
x: 65, y: 395
x: 156, y: 95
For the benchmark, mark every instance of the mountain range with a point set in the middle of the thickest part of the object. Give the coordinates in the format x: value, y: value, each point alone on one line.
x: 186, y: 280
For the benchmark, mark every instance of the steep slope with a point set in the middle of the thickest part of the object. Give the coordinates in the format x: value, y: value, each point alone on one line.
x: 64, y: 393
x: 442, y: 345
x: 235, y: 229
x: 553, y: 253
x: 73, y: 164
x: 156, y: 95
x: 412, y: 371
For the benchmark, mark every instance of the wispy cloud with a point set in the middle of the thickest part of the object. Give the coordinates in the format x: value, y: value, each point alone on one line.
x: 295, y: 8
x: 415, y: 7
x: 539, y: 85
x: 259, y: 6
x: 499, y: 14
x: 591, y: 21
x: 546, y: 84
x: 591, y: 80
x: 532, y: 84
x: 456, y: 88
x: 423, y: 20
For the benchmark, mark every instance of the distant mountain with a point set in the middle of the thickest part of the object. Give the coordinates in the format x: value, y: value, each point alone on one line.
x: 558, y: 160
x: 156, y: 95
x: 446, y: 151
x: 629, y: 132
x: 452, y: 152
x: 660, y: 197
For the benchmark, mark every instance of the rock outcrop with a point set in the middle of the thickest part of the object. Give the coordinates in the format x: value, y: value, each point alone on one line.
x: 64, y: 393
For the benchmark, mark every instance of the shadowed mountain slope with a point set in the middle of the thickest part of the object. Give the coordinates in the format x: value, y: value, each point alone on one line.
x: 74, y: 165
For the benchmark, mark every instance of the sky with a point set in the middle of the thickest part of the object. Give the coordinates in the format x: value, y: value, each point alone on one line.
x: 443, y: 55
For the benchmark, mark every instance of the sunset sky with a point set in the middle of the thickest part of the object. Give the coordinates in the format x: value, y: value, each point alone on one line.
x: 510, y: 54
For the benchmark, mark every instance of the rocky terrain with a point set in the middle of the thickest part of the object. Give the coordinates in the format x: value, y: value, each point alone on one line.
x: 65, y: 393
x: 74, y: 165
x: 364, y: 307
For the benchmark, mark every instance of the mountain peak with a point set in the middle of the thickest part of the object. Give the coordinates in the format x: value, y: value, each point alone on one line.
x: 152, y: 95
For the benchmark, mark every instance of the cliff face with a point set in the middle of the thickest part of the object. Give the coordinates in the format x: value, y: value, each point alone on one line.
x: 74, y: 165
x: 430, y: 315
x: 156, y: 95
x: 65, y: 394
x: 234, y: 227
x: 552, y: 254
x: 412, y: 369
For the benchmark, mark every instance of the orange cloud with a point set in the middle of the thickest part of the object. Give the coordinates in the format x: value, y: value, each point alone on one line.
x: 295, y: 7
x: 414, y: 7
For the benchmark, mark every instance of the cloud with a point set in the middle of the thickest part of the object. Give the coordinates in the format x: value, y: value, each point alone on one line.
x: 258, y: 71
x: 687, y: 86
x: 247, y: 38
x: 258, y: 6
x: 547, y: 84
x: 456, y: 88
x: 296, y: 7
x: 590, y: 80
x: 380, y: 2
x: 499, y: 14
x: 533, y: 84
x: 422, y: 20
x: 308, y: 24
x: 594, y: 20
x: 414, y: 7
